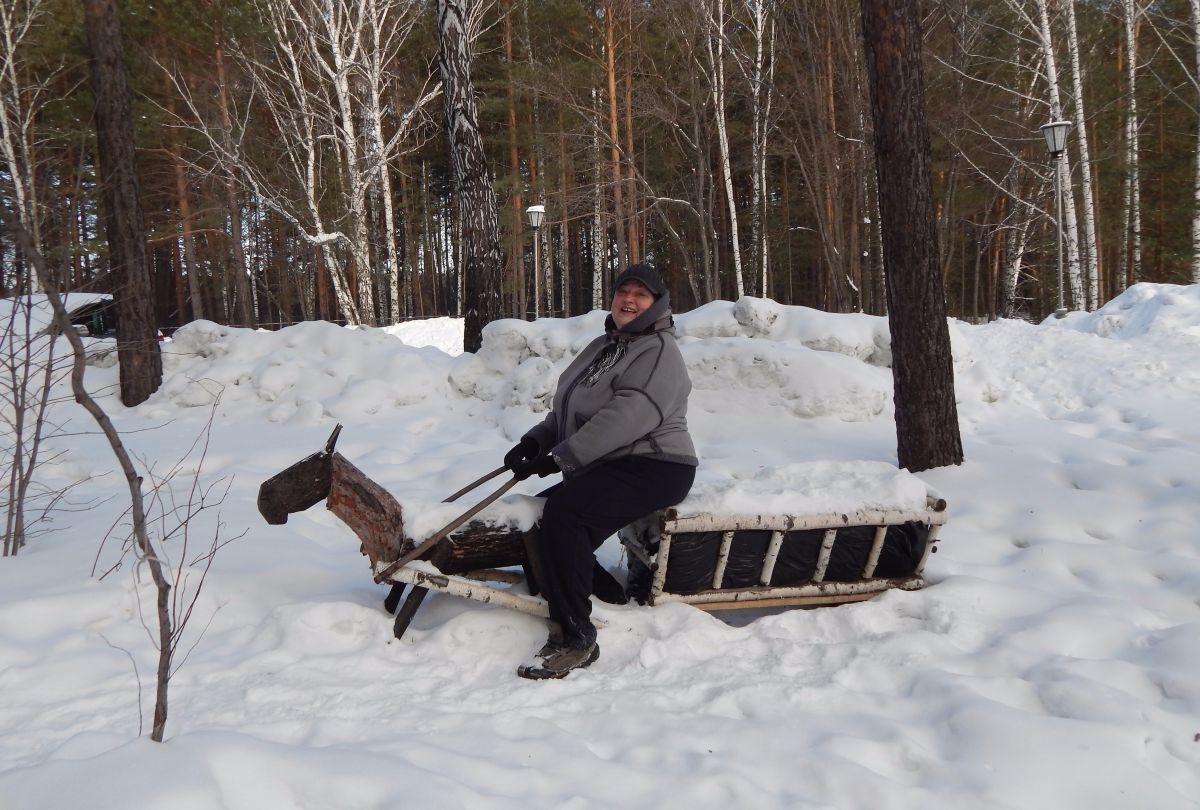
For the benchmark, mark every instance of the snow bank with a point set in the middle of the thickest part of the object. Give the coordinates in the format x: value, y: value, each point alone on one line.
x: 1052, y: 661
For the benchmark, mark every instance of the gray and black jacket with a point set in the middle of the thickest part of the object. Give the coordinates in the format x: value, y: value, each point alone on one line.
x: 624, y: 395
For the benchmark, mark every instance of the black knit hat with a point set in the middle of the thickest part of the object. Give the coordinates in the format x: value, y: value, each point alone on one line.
x: 647, y: 275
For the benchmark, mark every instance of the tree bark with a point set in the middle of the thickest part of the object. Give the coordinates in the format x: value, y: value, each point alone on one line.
x: 599, y: 232
x: 243, y: 301
x: 926, y: 416
x: 190, y: 264
x: 137, y: 347
x: 1131, y: 237
x: 1090, y: 255
x: 614, y: 137
x: 517, y: 260
x: 761, y: 91
x: 480, y: 230
x: 715, y: 50
x: 1070, y: 228
x: 635, y: 236
x: 1195, y: 19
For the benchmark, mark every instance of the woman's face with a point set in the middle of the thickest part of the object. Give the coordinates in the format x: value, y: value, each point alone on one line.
x: 631, y: 299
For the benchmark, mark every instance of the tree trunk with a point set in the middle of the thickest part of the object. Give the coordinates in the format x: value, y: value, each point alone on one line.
x: 599, y: 233
x: 634, y: 235
x: 614, y: 138
x: 926, y: 416
x: 564, y: 174
x: 344, y: 48
x: 1090, y: 256
x: 477, y: 200
x: 1016, y: 241
x: 1131, y: 236
x: 1195, y: 9
x: 762, y: 90
x: 410, y: 242
x: 190, y: 264
x: 517, y: 260
x: 241, y: 282
x: 1070, y: 228
x: 715, y: 49
x: 378, y: 24
x: 137, y: 347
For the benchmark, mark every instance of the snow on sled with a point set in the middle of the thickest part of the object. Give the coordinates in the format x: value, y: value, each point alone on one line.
x: 823, y: 533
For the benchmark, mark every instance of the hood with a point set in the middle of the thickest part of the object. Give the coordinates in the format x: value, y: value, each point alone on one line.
x: 656, y: 318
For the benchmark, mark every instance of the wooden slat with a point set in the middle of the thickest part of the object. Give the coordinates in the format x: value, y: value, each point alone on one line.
x: 493, y: 575
x: 768, y: 569
x: 722, y: 559
x: 788, y: 601
x: 660, y: 565
x: 426, y: 576
x: 876, y: 547
x: 815, y: 593
x: 930, y: 539
x: 721, y: 523
x: 823, y: 558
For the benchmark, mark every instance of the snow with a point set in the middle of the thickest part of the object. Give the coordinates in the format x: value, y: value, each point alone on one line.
x: 1053, y: 660
x: 14, y: 311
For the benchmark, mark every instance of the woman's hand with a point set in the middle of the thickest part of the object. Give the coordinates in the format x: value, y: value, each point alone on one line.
x: 542, y: 466
x: 525, y: 451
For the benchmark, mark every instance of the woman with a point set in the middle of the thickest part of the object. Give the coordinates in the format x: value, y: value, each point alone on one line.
x: 618, y: 432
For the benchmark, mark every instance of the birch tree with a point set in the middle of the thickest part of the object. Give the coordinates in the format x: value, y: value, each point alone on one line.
x: 482, y: 258
x: 1069, y: 225
x: 388, y: 25
x: 336, y: 48
x: 714, y: 69
x: 27, y: 363
x: 22, y: 96
x: 758, y: 69
x: 614, y: 137
x: 1090, y: 250
x: 285, y: 83
x: 1131, y: 224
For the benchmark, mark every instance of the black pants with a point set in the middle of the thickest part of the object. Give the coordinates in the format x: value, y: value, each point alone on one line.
x: 581, y: 513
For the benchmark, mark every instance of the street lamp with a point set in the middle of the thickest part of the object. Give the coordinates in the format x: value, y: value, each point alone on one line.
x: 535, y: 214
x: 1056, y: 143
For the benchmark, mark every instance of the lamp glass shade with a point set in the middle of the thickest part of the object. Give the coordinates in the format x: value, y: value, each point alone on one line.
x: 535, y: 213
x: 1056, y: 136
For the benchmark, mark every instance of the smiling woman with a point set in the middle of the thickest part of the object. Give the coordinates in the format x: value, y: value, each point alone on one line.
x: 618, y: 433
x: 631, y: 299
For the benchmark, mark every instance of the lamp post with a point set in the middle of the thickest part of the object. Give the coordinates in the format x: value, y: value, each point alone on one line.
x: 1056, y: 143
x: 535, y: 214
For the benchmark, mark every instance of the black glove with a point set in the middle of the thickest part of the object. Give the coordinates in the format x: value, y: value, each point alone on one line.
x: 542, y: 465
x: 526, y: 450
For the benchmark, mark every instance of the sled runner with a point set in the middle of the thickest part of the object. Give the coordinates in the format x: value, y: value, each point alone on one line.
x: 712, y: 561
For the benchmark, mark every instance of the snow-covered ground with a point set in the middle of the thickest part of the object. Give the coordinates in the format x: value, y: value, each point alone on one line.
x: 1053, y: 661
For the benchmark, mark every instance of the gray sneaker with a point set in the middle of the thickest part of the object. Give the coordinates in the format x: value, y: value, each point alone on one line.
x: 555, y: 661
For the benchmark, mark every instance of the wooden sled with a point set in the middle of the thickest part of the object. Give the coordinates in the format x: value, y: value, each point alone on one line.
x: 720, y: 562
x: 713, y: 562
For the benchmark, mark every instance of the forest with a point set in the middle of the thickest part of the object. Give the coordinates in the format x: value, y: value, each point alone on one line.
x: 293, y: 161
